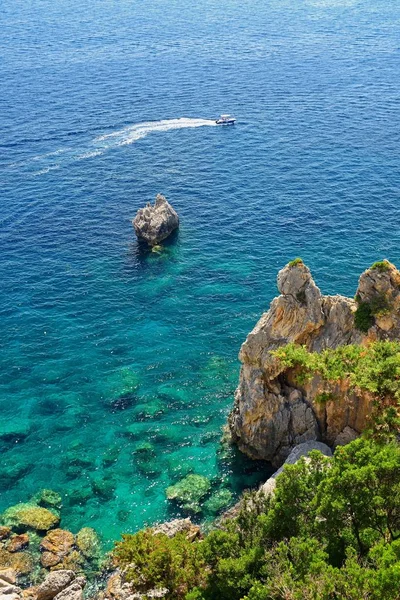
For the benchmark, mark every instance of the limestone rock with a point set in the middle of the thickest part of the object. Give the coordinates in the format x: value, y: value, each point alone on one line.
x: 8, y: 576
x: 345, y: 437
x: 72, y: 592
x: 155, y: 223
x: 4, y: 532
x: 272, y: 413
x: 298, y: 452
x: 55, y: 582
x: 171, y: 528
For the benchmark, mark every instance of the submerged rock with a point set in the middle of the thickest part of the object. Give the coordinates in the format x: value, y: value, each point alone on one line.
x: 88, y: 542
x: 189, y: 491
x: 272, y: 413
x: 18, y: 542
x: 29, y: 516
x: 155, y: 223
x: 218, y: 501
x: 48, y: 499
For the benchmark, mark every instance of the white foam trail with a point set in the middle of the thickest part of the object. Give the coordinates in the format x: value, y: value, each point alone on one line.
x: 90, y: 154
x: 46, y: 170
x: 132, y: 133
x: 121, y: 137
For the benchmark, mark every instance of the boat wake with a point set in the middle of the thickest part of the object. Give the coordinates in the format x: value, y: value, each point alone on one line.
x: 103, y: 143
x: 132, y: 133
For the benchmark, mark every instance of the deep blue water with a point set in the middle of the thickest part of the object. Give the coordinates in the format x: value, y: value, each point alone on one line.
x: 104, y: 346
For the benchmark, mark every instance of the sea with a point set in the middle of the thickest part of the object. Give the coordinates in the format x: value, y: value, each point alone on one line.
x: 119, y: 364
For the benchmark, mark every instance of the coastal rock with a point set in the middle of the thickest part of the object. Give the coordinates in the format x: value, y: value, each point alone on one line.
x: 20, y: 562
x: 272, y: 413
x: 172, y: 528
x: 155, y: 223
x: 55, y: 582
x: 8, y: 576
x: 58, y: 542
x: 72, y: 592
x: 17, y: 542
x: 298, y: 452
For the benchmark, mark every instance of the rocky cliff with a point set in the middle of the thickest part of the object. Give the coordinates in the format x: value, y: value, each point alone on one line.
x: 272, y: 413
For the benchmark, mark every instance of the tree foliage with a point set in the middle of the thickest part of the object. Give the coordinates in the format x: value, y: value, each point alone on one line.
x: 330, y: 532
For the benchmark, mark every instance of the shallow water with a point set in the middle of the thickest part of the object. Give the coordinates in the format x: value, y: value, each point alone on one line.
x: 105, y: 346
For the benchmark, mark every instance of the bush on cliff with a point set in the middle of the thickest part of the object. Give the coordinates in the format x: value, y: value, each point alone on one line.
x: 331, y: 531
x: 374, y: 369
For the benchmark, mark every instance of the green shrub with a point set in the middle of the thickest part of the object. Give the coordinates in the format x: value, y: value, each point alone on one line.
x: 157, y: 561
x: 295, y: 261
x: 382, y: 266
x: 374, y: 368
x: 363, y: 317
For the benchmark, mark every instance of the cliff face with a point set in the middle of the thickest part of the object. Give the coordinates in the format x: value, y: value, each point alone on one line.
x: 272, y: 413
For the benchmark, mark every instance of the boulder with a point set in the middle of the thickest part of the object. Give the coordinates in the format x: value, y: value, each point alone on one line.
x: 153, y: 224
x: 298, y: 452
x: 58, y: 542
x: 55, y: 582
x: 171, y: 528
x: 17, y: 542
x: 72, y: 592
x: 272, y: 413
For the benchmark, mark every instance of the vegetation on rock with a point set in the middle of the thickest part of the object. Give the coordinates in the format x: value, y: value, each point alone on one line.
x: 373, y: 369
x: 381, y: 265
x: 295, y: 261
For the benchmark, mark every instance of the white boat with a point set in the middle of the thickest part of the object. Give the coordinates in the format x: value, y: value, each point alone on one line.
x: 225, y: 120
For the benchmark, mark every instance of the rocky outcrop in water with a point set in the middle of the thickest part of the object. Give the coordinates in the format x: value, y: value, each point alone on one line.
x: 272, y: 413
x: 153, y: 224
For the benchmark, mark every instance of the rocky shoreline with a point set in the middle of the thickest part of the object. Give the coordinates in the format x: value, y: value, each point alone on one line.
x: 274, y: 418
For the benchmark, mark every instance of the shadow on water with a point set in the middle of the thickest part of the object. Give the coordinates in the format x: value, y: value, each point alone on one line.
x: 140, y: 256
x: 244, y: 472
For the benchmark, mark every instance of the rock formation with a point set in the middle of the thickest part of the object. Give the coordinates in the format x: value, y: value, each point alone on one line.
x: 155, y: 223
x: 300, y: 451
x: 272, y: 413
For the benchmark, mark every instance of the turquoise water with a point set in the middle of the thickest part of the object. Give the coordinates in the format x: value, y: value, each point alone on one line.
x: 105, y: 346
